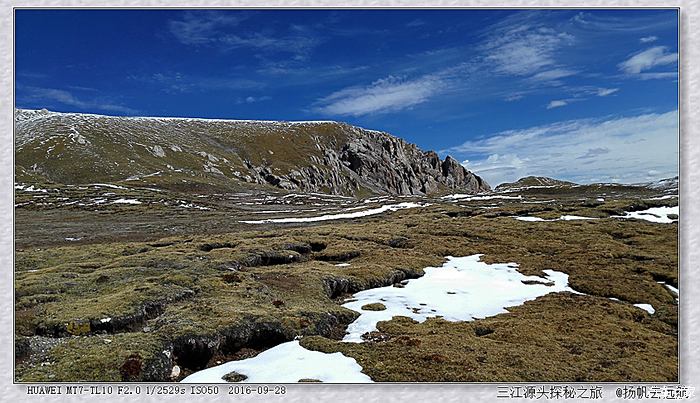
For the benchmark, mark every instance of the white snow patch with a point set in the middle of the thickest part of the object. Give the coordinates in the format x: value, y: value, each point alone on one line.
x: 69, y: 239
x: 379, y: 210
x: 532, y: 219
x: 343, y: 265
x: 126, y: 201
x: 538, y: 201
x: 646, y: 307
x: 462, y: 289
x: 561, y: 218
x: 29, y: 188
x: 109, y: 185
x: 664, y: 197
x: 105, y: 320
x: 157, y: 151
x: 670, y: 287
x: 466, y: 197
x: 184, y: 204
x: 654, y: 214
x: 75, y: 136
x: 576, y: 217
x: 287, y: 363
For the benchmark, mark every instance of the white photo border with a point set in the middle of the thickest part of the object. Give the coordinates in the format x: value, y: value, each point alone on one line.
x: 689, y: 167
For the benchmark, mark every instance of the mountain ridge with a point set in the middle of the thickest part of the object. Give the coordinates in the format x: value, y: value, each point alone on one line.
x: 192, y: 153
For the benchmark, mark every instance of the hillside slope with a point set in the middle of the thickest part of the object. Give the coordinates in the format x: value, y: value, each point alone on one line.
x: 192, y: 154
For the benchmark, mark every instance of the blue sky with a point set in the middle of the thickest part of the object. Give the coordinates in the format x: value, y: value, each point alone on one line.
x: 585, y: 95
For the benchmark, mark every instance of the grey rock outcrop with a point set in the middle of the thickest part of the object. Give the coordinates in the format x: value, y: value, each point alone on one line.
x: 379, y: 163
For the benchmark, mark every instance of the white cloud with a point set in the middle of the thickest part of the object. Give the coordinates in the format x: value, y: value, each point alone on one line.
x: 625, y: 149
x: 385, y: 95
x: 202, y: 27
x: 523, y: 50
x: 300, y: 45
x: 645, y: 60
x: 516, y: 96
x: 648, y: 39
x: 654, y: 76
x: 213, y: 28
x: 557, y: 103
x: 604, y: 92
x: 49, y: 96
x: 252, y: 99
x: 176, y: 83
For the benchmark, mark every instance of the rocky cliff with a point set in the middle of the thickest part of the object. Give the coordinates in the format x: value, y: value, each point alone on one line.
x: 330, y: 157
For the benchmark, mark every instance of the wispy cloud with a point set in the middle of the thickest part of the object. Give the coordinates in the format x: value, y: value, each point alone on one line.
x: 654, y: 76
x: 203, y: 27
x: 514, y: 96
x: 594, y: 152
x: 52, y: 96
x: 554, y: 74
x: 252, y: 99
x: 385, y: 95
x: 647, y: 59
x: 621, y: 149
x: 415, y: 23
x: 648, y: 39
x: 604, y: 92
x: 557, y: 103
x: 579, y: 94
x: 215, y: 29
x: 523, y: 48
x: 597, y: 22
x: 177, y: 83
x: 299, y: 45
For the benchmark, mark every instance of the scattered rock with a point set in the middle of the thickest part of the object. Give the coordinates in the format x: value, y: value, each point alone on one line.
x: 234, y: 376
x: 482, y: 331
x: 376, y: 306
x: 534, y: 282
x: 375, y: 336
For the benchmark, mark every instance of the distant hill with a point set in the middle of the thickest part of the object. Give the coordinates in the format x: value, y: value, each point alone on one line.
x: 667, y: 184
x: 533, y: 181
x: 192, y: 154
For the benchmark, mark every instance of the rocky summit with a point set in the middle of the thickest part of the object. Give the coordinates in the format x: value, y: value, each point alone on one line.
x: 188, y: 154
